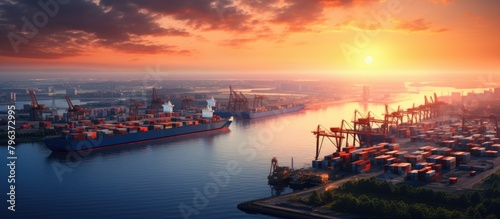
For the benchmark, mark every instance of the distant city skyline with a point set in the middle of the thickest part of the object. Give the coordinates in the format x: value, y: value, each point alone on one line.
x: 273, y: 39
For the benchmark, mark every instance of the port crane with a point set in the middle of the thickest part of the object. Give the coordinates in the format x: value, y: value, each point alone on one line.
x: 75, y: 112
x: 258, y: 101
x: 430, y: 109
x: 363, y: 131
x: 370, y: 129
x: 156, y: 102
x: 237, y: 102
x: 367, y: 126
x: 134, y: 108
x: 436, y: 107
x: 392, y: 118
x: 412, y: 114
x: 334, y: 135
x: 478, y: 122
x: 471, y: 120
x: 186, y: 102
x: 36, y: 109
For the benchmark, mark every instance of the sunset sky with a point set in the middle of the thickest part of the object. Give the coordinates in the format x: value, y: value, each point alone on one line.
x: 251, y: 37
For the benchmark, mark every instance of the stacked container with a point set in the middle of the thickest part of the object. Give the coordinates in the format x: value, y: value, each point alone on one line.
x: 449, y: 163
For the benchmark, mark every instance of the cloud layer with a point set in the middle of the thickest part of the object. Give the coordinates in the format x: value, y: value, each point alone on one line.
x: 62, y: 28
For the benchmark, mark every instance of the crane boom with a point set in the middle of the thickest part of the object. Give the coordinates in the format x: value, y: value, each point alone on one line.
x: 155, y: 95
x: 34, y: 101
x: 70, y: 104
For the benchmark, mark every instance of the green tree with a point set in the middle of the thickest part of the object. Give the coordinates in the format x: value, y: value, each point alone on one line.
x: 346, y: 203
x: 328, y: 197
x: 472, y: 213
x: 418, y: 211
x: 494, y: 206
x: 463, y: 200
x: 404, y: 189
x: 457, y: 215
x: 316, y: 199
x: 398, y: 209
x: 491, y: 216
x: 442, y: 213
x: 482, y: 210
x: 475, y: 198
x: 294, y: 198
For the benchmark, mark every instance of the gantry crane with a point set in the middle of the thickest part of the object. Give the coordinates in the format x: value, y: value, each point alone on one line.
x: 186, y: 102
x: 237, y: 102
x: 467, y: 120
x: 412, y: 114
x: 370, y: 130
x: 75, y: 112
x: 334, y: 135
x: 436, y: 107
x: 258, y: 101
x: 392, y: 118
x: 156, y: 102
x: 36, y: 109
x: 134, y: 108
x: 365, y: 130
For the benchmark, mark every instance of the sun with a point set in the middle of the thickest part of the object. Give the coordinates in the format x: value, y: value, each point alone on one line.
x: 368, y: 60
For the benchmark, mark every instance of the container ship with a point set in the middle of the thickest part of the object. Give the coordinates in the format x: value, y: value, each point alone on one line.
x: 238, y: 106
x: 86, y: 136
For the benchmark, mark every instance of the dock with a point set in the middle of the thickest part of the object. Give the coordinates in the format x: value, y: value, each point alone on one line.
x: 433, y: 145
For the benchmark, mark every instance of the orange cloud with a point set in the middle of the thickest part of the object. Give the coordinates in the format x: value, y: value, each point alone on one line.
x: 473, y: 16
x: 416, y: 26
x: 444, y: 2
x: 396, y: 25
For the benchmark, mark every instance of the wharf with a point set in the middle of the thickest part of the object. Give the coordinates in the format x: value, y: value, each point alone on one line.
x: 281, y: 206
x: 429, y: 150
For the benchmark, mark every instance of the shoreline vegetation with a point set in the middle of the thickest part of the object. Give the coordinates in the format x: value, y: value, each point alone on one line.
x: 381, y: 199
x: 373, y: 198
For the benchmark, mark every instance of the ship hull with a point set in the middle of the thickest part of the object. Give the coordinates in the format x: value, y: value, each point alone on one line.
x: 254, y: 115
x: 59, y: 144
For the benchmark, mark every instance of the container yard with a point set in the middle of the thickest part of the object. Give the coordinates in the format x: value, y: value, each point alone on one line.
x: 431, y: 144
x: 435, y: 145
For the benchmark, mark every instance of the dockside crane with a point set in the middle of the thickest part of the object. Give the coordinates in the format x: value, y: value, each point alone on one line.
x: 36, y: 109
x: 237, y: 102
x: 75, y: 112
x: 134, y: 108
x: 436, y: 107
x: 186, y: 102
x: 258, y: 101
x: 156, y: 102
x: 392, y: 118
x: 365, y: 130
x: 334, y: 135
x: 478, y: 122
